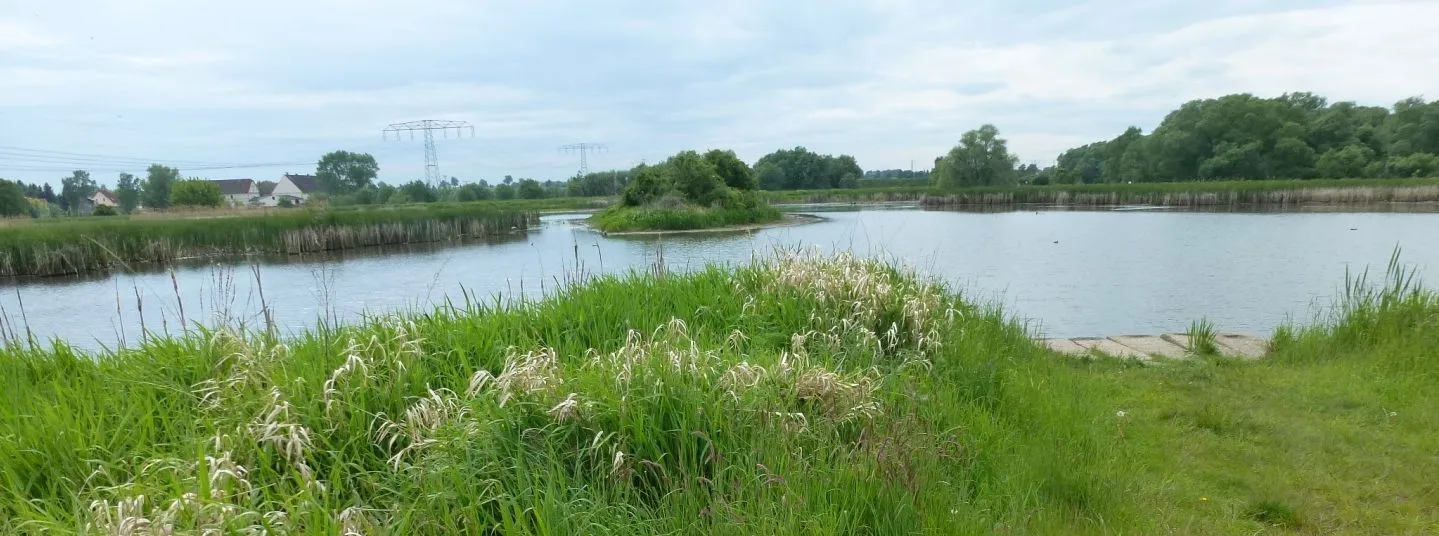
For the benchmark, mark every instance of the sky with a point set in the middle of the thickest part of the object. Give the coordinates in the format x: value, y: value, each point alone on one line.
x: 895, y: 83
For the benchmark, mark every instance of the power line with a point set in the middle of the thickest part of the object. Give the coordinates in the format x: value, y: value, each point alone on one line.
x: 429, y: 127
x: 45, y: 154
x: 584, y: 148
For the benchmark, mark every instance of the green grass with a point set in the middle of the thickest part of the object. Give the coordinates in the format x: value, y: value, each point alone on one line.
x: 1194, y: 193
x: 74, y: 245
x: 803, y: 395
x: 628, y: 219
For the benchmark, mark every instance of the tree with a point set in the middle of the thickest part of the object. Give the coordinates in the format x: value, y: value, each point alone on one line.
x: 505, y: 191
x: 648, y: 185
x: 733, y: 171
x: 196, y: 193
x: 530, y: 189
x: 342, y: 172
x: 76, y: 189
x: 1345, y: 163
x: 127, y: 192
x: 694, y: 178
x: 799, y: 168
x: 159, y: 181
x: 417, y: 191
x: 12, y: 200
x: 981, y: 159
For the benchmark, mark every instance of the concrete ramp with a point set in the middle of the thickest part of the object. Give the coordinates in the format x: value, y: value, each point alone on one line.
x: 1167, y: 346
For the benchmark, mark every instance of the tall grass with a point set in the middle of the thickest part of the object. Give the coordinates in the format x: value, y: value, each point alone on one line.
x: 804, y: 395
x: 68, y: 246
x: 680, y: 218
x: 1279, y: 193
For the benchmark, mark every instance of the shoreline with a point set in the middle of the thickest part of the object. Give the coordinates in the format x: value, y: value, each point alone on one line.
x: 789, y: 220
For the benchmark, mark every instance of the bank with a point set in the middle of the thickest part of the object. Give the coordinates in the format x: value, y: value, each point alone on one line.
x: 804, y: 394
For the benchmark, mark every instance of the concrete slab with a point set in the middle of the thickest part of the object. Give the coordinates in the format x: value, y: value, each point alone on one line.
x: 1179, y: 339
x: 1240, y: 345
x: 1110, y: 348
x: 1065, y: 346
x: 1153, y: 346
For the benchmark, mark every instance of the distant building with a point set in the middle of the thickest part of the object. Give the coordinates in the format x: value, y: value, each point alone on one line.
x: 103, y: 198
x: 297, y: 188
x: 238, y: 192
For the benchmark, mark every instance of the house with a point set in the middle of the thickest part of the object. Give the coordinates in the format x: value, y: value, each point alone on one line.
x: 297, y: 188
x: 104, y: 198
x: 237, y: 192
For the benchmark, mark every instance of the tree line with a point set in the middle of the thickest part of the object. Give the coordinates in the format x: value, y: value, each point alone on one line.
x: 161, y: 187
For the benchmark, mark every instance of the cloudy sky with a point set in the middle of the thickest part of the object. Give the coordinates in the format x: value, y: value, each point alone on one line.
x: 197, y: 83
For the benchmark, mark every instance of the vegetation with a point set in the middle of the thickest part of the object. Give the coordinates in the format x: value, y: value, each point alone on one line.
x: 1341, y: 192
x: 127, y: 192
x: 800, y: 169
x: 342, y: 172
x: 75, y: 190
x: 71, y: 246
x: 802, y: 395
x: 12, y: 200
x: 1294, y: 136
x: 196, y: 193
x: 159, y: 181
x: 688, y: 191
x: 981, y: 159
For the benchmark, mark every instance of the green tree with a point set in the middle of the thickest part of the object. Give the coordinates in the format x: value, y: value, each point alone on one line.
x: 417, y: 191
x: 1346, y: 162
x: 1291, y: 158
x: 12, y: 199
x: 800, y: 168
x: 530, y: 189
x: 649, y: 184
x: 695, y: 178
x: 196, y: 193
x: 733, y: 171
x: 76, y: 189
x: 159, y: 182
x: 127, y: 192
x: 342, y: 172
x: 505, y: 191
x: 981, y: 159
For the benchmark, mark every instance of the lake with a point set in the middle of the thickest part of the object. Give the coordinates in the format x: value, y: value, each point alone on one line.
x: 1067, y: 273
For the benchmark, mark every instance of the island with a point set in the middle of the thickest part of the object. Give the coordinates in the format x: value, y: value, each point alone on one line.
x: 690, y: 191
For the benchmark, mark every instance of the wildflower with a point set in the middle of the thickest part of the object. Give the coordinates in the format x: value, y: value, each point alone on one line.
x: 1121, y: 414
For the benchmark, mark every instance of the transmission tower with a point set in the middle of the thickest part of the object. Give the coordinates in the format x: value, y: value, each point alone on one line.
x: 584, y: 149
x: 429, y: 127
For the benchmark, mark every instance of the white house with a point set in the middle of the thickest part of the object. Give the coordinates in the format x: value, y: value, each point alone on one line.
x: 297, y: 188
x: 238, y: 192
x: 104, y: 198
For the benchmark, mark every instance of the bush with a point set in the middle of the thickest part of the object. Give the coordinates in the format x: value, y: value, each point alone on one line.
x: 196, y: 193
x: 104, y: 210
x: 285, y: 202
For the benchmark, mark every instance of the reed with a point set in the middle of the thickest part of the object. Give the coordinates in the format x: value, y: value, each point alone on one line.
x: 69, y: 246
x: 629, y: 219
x: 1224, y: 194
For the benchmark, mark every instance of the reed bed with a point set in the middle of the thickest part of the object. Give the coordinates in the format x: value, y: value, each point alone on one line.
x: 71, y: 246
x: 1226, y: 194
x: 806, y: 394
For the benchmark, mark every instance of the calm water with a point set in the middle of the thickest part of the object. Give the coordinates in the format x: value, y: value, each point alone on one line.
x: 1069, y: 273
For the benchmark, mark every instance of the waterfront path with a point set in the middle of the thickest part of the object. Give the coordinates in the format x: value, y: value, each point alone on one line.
x: 1147, y: 347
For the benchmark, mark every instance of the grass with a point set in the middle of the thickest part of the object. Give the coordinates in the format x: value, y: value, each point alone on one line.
x: 682, y: 218
x: 75, y: 245
x: 1202, y: 338
x: 1203, y: 193
x: 803, y: 395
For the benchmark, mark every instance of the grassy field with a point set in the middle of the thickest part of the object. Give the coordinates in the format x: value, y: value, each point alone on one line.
x: 620, y: 219
x: 804, y: 395
x: 1219, y: 193
x: 74, y: 245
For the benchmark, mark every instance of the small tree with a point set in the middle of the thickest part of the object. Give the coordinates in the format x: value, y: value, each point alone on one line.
x: 127, y: 192
x: 159, y: 183
x: 735, y: 173
x: 103, y: 210
x: 530, y: 189
x: 12, y: 200
x: 196, y: 193
x: 76, y: 189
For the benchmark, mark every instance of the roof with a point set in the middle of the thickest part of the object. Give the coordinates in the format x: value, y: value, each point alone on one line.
x: 306, y: 183
x: 108, y: 195
x: 267, y: 188
x: 235, y: 186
